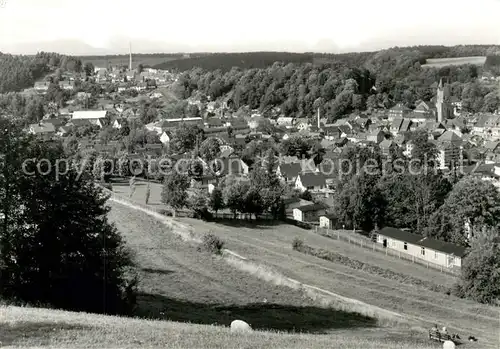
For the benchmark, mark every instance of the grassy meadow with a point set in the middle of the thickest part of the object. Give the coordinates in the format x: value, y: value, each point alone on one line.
x: 443, y: 62
x: 43, y: 328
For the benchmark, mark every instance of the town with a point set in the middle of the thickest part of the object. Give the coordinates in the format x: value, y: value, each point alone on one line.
x: 330, y: 165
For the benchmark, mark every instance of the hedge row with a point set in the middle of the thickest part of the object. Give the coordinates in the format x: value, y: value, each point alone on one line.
x: 372, y: 269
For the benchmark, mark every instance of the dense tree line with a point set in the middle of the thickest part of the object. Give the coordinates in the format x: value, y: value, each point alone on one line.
x: 245, y: 60
x: 428, y: 201
x: 353, y: 83
x: 18, y: 72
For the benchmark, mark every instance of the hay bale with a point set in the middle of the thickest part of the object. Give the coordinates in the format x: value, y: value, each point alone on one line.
x: 448, y: 345
x: 240, y: 326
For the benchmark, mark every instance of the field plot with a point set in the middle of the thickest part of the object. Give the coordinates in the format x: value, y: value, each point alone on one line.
x: 443, y: 62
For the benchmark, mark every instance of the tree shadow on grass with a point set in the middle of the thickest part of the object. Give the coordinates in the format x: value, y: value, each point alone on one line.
x: 264, y: 316
x: 39, y: 332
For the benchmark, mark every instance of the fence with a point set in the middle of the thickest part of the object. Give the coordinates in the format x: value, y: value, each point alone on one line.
x: 367, y: 243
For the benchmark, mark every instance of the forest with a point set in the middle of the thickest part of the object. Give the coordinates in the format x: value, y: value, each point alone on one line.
x: 352, y: 83
x: 225, y: 61
x: 18, y: 72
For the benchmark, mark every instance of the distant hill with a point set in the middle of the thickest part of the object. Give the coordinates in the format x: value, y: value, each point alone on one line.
x: 225, y: 61
x: 147, y: 60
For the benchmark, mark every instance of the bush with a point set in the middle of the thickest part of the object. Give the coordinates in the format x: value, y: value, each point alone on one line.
x: 212, y: 243
x: 297, y: 244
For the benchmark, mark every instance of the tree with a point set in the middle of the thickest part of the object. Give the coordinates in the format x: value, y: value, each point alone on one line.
x: 140, y: 68
x: 413, y: 198
x: 88, y: 69
x: 58, y: 247
x: 480, y: 279
x: 216, y: 200
x: 234, y: 196
x: 198, y: 202
x: 472, y: 205
x: 253, y: 202
x: 209, y: 149
x: 423, y: 149
x: 185, y: 138
x: 174, y: 191
x: 361, y: 204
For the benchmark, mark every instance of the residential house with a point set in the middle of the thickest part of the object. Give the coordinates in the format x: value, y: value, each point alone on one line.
x: 96, y: 117
x: 214, y: 123
x: 226, y: 151
x: 286, y: 121
x: 331, y: 131
x: 311, y: 181
x: 399, y: 111
x: 102, y: 75
x: 289, y: 172
x: 405, y: 126
x: 119, y: 123
x: 294, y: 202
x: 67, y: 85
x: 63, y: 131
x: 422, y: 248
x: 449, y: 147
x: 479, y: 127
x: 57, y: 122
x: 426, y: 108
x: 42, y: 129
x: 396, y: 126
x: 328, y: 221
x: 456, y: 103
x: 169, y: 124
x: 309, y: 213
x: 231, y: 166
x: 489, y: 172
x: 79, y: 123
x: 42, y: 86
x: 387, y: 147
x: 165, y: 138
x: 376, y: 136
x: 302, y: 124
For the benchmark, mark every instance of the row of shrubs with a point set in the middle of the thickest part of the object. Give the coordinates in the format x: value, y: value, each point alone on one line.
x: 299, y: 245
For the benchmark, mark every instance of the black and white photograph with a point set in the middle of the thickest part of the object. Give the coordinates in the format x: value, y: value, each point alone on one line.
x: 250, y: 175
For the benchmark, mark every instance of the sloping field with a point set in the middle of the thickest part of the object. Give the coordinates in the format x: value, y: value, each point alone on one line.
x: 42, y: 328
x: 180, y: 283
x: 271, y: 245
x: 443, y: 62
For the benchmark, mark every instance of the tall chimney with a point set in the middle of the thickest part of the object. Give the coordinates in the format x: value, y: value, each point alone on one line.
x: 130, y: 58
x: 319, y: 125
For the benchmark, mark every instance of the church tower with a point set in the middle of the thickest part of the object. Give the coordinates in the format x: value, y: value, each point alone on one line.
x: 443, y: 106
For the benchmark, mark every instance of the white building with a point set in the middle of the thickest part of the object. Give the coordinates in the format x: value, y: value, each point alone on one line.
x: 96, y: 117
x: 422, y: 248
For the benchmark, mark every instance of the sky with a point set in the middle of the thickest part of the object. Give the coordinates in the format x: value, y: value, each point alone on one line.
x: 78, y: 26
